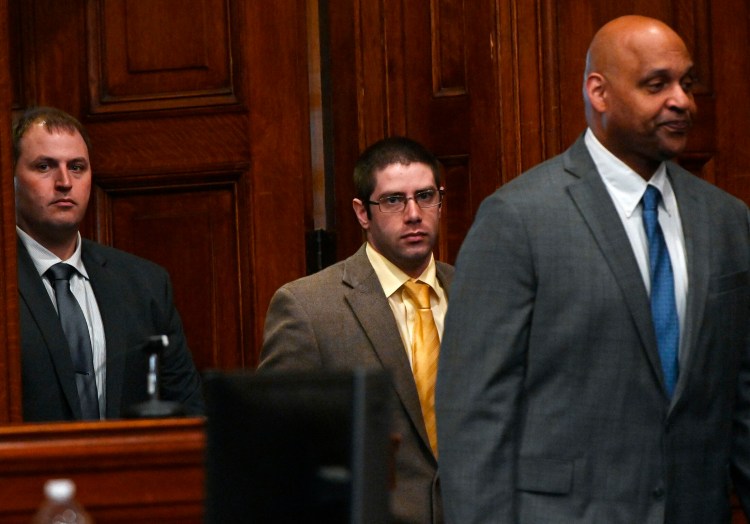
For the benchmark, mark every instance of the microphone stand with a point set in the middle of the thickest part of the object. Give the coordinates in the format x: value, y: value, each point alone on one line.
x: 154, y: 407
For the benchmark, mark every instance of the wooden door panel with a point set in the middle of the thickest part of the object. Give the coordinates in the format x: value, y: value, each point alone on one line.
x: 456, y: 212
x: 193, y: 232
x: 158, y: 54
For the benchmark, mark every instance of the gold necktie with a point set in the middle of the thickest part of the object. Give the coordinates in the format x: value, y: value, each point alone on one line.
x: 425, y: 350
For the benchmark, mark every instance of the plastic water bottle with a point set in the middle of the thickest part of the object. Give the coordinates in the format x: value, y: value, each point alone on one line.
x: 60, y: 506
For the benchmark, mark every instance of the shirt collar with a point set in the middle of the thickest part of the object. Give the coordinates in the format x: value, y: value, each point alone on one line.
x: 43, y: 258
x: 391, y: 277
x: 625, y: 185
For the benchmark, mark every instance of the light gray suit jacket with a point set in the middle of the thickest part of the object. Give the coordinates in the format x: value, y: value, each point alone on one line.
x: 339, y: 318
x: 550, y: 398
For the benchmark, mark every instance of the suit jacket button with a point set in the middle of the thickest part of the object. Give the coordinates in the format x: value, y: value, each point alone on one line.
x: 657, y: 492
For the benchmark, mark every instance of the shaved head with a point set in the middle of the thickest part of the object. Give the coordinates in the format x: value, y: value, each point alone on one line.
x: 638, y: 91
x: 625, y: 36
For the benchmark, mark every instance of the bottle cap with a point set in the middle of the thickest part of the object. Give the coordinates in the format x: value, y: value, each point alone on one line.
x: 59, y: 490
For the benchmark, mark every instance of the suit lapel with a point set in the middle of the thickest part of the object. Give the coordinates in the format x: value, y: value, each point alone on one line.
x: 696, y: 231
x: 593, y: 201
x: 370, y: 306
x: 108, y: 293
x: 34, y: 295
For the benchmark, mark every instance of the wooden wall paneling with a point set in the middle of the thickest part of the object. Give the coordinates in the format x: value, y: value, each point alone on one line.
x: 186, y: 178
x: 427, y: 90
x: 340, y: 101
x: 157, y: 55
x: 435, y: 106
x: 20, y: 37
x: 730, y: 39
x: 10, y: 365
x: 279, y: 140
x: 374, y: 74
x: 321, y: 200
x: 53, y: 54
x: 456, y: 214
x: 692, y: 20
x: 170, y: 185
x: 125, y: 471
x: 192, y: 229
x: 528, y: 89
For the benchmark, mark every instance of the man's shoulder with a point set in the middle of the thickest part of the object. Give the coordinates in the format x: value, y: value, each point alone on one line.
x: 116, y: 259
x: 321, y: 281
x: 685, y: 181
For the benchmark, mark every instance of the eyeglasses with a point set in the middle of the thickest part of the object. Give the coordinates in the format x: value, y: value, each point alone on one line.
x: 396, y: 203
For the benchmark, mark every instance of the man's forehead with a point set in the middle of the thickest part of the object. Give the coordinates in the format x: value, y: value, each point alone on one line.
x: 398, y: 170
x: 39, y: 134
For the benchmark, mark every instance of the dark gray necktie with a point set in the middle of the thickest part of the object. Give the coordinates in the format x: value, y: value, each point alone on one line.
x: 77, y: 332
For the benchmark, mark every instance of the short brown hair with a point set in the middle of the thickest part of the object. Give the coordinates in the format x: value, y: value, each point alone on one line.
x: 385, y: 152
x: 52, y: 119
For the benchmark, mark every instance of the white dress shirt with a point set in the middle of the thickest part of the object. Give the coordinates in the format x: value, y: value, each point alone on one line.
x: 626, y: 188
x: 81, y: 287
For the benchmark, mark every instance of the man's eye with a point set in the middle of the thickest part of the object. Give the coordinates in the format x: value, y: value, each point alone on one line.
x: 42, y: 167
x: 655, y: 87
x: 424, y: 196
x: 393, y: 199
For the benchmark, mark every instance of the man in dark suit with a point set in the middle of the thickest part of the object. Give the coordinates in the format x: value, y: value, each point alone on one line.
x: 558, y: 399
x: 124, y: 299
x: 356, y: 314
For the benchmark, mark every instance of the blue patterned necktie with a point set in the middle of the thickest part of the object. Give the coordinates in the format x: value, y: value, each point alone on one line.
x: 77, y: 333
x: 663, y: 307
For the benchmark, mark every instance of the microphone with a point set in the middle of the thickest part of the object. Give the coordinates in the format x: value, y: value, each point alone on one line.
x: 154, y: 407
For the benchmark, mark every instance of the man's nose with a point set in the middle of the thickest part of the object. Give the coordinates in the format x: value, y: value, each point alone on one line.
x: 412, y: 211
x: 680, y: 98
x: 64, y: 178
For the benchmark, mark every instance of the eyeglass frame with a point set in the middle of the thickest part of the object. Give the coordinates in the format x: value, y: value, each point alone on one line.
x: 440, y: 191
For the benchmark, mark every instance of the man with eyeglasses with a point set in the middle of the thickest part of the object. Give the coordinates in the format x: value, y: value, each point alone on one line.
x: 358, y: 313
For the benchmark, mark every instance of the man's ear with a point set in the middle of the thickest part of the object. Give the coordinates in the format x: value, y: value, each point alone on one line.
x: 361, y: 211
x: 596, y: 90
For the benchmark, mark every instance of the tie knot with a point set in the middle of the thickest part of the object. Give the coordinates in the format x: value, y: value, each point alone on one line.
x: 651, y: 198
x: 60, y: 271
x: 419, y: 293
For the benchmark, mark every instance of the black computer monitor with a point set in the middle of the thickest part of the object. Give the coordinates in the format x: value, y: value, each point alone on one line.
x: 297, y: 447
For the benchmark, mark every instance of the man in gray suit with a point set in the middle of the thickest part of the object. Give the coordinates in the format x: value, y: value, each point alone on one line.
x: 355, y: 313
x: 555, y: 402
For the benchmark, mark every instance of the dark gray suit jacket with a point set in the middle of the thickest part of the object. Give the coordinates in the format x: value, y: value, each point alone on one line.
x: 550, y: 398
x: 340, y: 318
x: 135, y: 300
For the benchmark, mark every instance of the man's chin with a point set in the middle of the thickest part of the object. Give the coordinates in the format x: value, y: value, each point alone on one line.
x: 672, y: 146
x: 417, y: 257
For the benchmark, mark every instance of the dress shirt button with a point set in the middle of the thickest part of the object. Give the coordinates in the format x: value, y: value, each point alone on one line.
x: 657, y: 492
